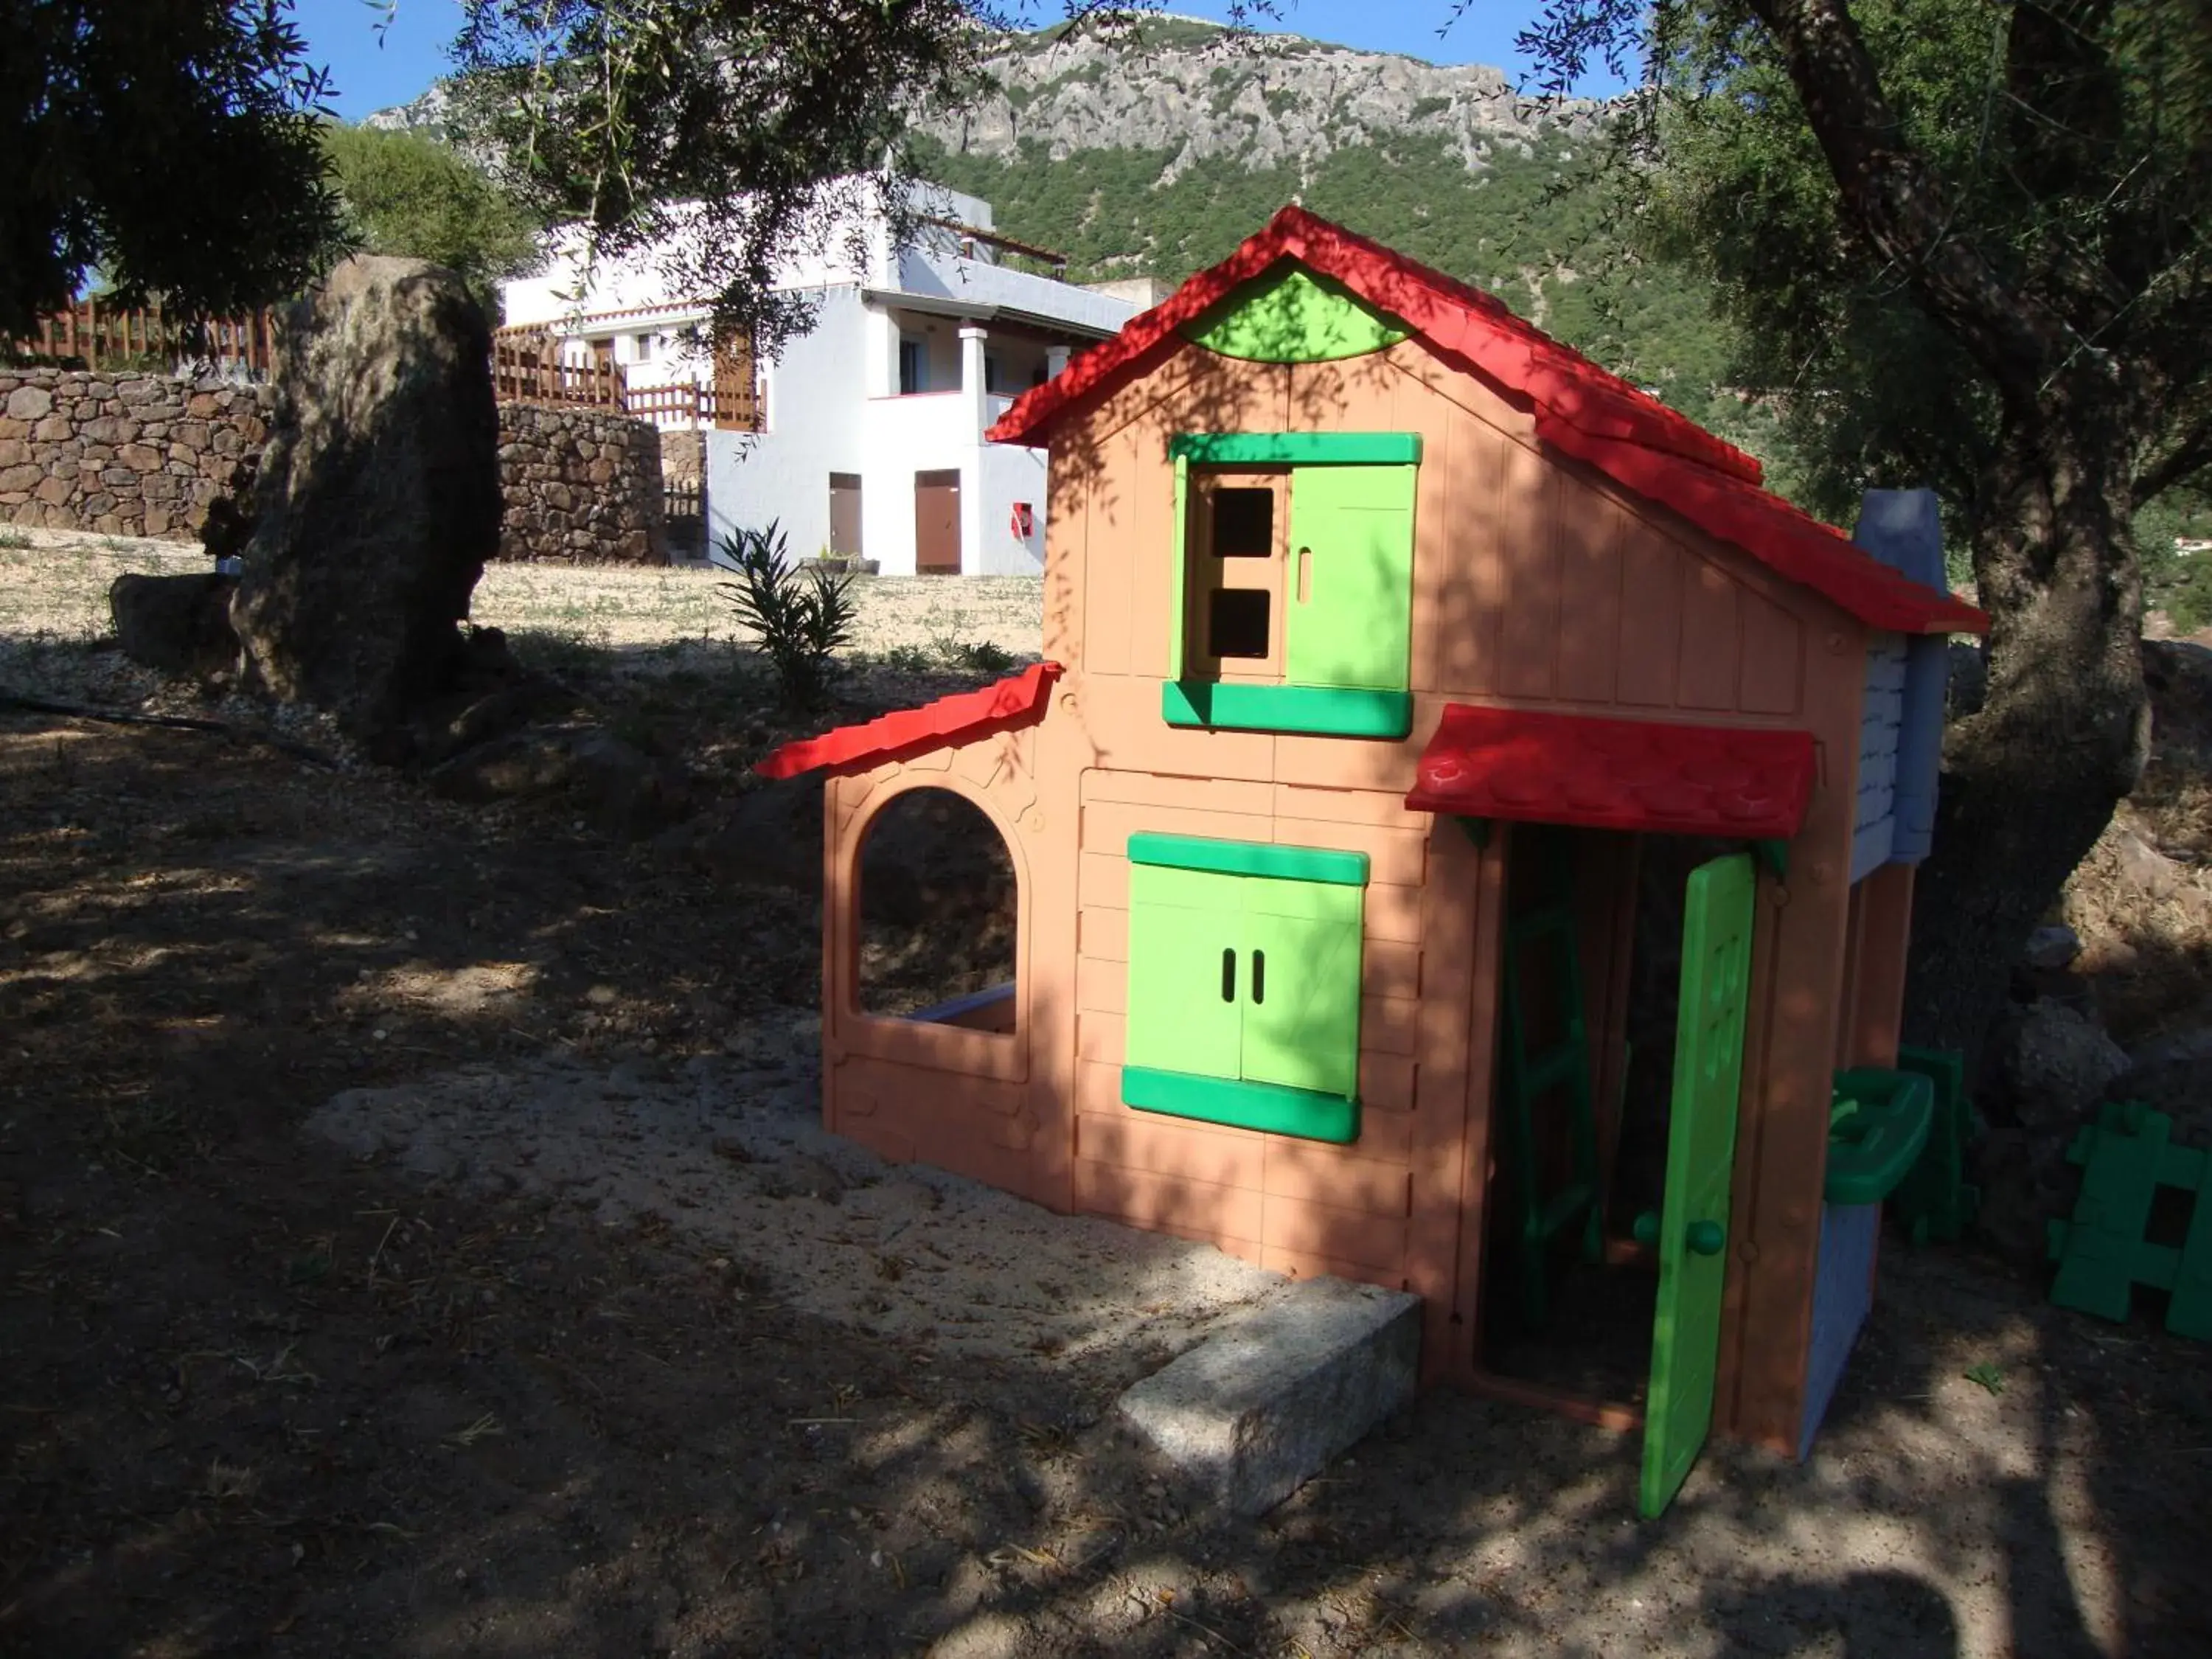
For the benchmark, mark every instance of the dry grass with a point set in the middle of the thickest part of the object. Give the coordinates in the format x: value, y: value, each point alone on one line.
x: 54, y: 589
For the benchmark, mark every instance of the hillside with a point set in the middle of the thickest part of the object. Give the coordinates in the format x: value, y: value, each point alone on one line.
x: 1155, y: 153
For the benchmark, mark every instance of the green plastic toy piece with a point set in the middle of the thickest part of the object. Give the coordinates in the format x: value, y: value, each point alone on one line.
x: 1877, y: 1130
x: 1350, y: 619
x: 1243, y: 1105
x: 1935, y: 1203
x: 1321, y: 711
x: 1685, y: 1333
x: 1243, y: 988
x: 1297, y: 448
x: 2102, y: 1252
x: 1291, y: 315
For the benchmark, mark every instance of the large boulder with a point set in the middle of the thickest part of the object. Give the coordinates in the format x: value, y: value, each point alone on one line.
x: 179, y: 624
x: 377, y: 500
x: 2053, y: 1064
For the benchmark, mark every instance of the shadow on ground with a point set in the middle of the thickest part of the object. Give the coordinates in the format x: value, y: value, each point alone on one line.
x: 257, y: 1399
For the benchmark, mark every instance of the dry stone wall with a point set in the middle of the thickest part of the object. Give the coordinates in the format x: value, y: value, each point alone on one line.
x: 143, y: 455
x: 122, y: 454
x: 582, y: 486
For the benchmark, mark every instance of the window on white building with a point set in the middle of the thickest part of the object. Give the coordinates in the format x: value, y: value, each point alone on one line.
x: 913, y: 366
x: 643, y: 354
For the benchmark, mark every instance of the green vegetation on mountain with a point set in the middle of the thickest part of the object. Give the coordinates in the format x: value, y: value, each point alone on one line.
x: 1539, y: 230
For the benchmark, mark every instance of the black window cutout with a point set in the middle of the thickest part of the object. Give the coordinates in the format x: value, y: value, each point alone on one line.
x: 1243, y: 525
x: 1236, y: 621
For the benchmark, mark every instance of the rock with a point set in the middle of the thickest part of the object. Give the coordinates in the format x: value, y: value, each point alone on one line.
x: 628, y: 792
x: 178, y: 624
x: 1254, y: 1411
x: 2050, y: 949
x: 29, y: 402
x: 521, y: 764
x: 771, y: 836
x: 2144, y: 867
x: 493, y: 715
x: 2026, y: 1183
x: 378, y: 495
x: 2052, y: 1062
x: 624, y: 791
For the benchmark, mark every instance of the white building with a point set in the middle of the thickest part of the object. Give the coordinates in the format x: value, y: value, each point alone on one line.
x: 870, y: 439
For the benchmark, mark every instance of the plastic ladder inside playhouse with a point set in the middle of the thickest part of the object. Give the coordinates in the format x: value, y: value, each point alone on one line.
x: 1540, y: 1217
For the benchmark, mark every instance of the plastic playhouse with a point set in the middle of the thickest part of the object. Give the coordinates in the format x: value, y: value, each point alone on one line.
x: 1464, y: 832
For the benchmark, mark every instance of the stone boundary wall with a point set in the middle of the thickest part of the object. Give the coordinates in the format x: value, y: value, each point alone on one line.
x: 144, y: 454
x: 123, y: 454
x: 582, y: 487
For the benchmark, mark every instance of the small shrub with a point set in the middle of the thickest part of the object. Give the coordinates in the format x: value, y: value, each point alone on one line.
x: 15, y: 541
x: 981, y: 656
x: 801, y: 618
x: 908, y: 659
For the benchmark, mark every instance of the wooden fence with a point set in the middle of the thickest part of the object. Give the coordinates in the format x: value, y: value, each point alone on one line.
x: 527, y: 363
x: 527, y: 367
x: 96, y: 337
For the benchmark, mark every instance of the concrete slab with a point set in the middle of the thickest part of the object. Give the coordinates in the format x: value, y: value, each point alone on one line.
x: 1258, y: 1409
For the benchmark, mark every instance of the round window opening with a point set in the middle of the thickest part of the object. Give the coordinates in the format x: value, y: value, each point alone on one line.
x: 938, y: 914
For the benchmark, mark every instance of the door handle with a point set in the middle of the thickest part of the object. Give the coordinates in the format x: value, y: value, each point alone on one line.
x: 1704, y: 1237
x: 1229, y: 976
x: 1259, y: 977
x: 1306, y: 575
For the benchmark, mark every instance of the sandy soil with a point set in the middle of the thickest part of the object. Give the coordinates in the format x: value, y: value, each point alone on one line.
x: 415, y: 1239
x: 53, y: 585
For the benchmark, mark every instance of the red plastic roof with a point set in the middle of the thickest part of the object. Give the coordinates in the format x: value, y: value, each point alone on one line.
x: 1615, y: 774
x: 961, y: 718
x: 1594, y: 416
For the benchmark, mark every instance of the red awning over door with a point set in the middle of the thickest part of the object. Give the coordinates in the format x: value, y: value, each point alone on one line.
x: 1647, y: 775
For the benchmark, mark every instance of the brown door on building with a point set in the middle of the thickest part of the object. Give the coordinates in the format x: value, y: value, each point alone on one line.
x: 845, y: 513
x: 937, y: 523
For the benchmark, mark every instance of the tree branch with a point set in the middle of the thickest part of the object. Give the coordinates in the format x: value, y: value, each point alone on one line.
x: 1893, y: 197
x: 2191, y: 455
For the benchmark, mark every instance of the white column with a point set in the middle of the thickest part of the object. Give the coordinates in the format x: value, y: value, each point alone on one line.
x: 974, y: 527
x: 972, y: 336
x: 1055, y: 362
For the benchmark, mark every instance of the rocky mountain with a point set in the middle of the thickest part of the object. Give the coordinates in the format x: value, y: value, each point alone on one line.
x: 1263, y: 100
x: 1155, y: 151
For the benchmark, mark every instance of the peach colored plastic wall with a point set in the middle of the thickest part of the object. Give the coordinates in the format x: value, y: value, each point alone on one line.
x: 1537, y: 585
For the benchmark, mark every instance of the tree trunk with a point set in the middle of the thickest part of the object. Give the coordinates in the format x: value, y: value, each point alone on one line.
x: 2031, y: 779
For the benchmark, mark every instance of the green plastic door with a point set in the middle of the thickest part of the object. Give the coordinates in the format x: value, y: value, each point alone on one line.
x: 1694, y: 1217
x: 1351, y: 577
x: 1186, y: 970
x: 1302, y: 999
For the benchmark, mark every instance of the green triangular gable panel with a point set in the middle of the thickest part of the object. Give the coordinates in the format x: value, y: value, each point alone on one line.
x: 1291, y: 315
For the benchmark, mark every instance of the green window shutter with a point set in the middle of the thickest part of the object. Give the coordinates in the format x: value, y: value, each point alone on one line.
x: 1244, y: 992
x: 1351, y: 577
x: 1302, y: 998
x: 1180, y: 589
x: 1181, y: 921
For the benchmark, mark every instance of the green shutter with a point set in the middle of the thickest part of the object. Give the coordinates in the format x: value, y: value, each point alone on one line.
x: 1243, y: 993
x: 1351, y: 577
x: 1181, y: 921
x: 1302, y: 998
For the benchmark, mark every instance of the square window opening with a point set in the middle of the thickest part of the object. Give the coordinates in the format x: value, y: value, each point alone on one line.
x: 1236, y: 622
x: 1244, y: 523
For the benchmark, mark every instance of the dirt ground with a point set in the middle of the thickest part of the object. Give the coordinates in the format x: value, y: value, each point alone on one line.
x: 415, y: 1239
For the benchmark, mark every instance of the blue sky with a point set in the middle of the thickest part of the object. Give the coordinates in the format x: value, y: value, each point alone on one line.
x: 369, y: 75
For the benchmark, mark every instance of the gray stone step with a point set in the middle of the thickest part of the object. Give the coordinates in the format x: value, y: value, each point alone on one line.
x: 1258, y: 1409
